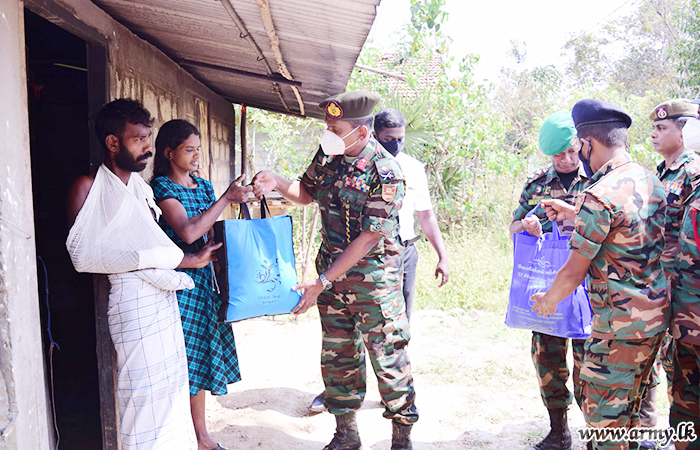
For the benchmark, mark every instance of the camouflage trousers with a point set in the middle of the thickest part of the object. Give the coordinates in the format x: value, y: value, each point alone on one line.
x: 664, y: 359
x: 615, y: 374
x: 351, y: 322
x: 549, y: 358
x: 686, y: 390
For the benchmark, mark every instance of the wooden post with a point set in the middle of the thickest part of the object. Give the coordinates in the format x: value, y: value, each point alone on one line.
x: 303, y: 232
x: 244, y: 144
x: 106, y: 367
x: 311, y: 240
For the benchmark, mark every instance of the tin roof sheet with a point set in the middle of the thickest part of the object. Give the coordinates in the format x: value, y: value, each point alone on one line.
x: 320, y: 41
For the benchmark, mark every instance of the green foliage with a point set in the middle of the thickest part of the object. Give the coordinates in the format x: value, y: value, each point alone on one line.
x: 288, y: 142
x: 687, y: 49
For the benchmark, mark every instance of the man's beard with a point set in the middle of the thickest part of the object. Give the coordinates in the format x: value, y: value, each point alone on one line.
x: 125, y: 161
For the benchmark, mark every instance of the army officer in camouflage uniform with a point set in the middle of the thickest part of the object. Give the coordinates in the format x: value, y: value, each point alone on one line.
x: 359, y: 188
x: 685, y: 324
x: 676, y: 172
x: 617, y: 241
x: 564, y: 179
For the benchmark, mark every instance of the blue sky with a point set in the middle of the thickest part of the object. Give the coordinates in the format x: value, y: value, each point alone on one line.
x: 487, y: 27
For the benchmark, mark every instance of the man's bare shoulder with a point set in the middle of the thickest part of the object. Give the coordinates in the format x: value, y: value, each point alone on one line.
x: 77, y: 194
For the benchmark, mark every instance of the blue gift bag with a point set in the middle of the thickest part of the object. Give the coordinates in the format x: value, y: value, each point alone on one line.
x: 536, y: 262
x: 257, y: 266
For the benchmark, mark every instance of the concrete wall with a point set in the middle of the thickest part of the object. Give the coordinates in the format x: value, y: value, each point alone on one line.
x: 136, y: 69
x: 24, y: 420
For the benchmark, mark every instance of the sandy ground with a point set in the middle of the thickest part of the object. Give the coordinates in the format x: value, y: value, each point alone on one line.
x: 474, y: 380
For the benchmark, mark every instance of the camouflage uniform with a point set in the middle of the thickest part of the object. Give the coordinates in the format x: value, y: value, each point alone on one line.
x: 685, y: 325
x: 619, y: 226
x: 677, y: 181
x: 549, y: 352
x: 355, y: 195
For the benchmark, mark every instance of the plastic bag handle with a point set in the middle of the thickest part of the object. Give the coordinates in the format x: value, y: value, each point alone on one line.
x: 244, y: 211
x: 555, y: 226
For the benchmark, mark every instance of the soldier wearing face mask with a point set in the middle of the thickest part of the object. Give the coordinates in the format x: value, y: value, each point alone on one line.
x: 359, y: 188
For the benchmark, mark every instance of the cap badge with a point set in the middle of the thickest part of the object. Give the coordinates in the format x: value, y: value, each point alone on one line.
x: 661, y: 112
x: 334, y: 110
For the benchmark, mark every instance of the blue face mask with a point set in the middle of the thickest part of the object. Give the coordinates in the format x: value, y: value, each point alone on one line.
x: 393, y: 147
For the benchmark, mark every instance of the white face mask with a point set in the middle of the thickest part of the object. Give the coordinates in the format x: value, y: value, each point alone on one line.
x: 332, y: 144
x: 691, y: 135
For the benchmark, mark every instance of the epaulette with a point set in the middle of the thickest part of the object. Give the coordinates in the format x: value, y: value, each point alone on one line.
x: 536, y: 175
x: 388, y: 169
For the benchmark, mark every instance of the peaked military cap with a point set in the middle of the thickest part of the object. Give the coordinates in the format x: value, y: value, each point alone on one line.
x: 591, y: 111
x: 673, y: 109
x: 351, y: 105
x: 556, y: 133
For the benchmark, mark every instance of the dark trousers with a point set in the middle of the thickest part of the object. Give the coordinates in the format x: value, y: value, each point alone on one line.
x: 410, y: 262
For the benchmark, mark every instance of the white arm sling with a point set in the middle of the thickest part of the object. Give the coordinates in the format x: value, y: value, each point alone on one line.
x: 115, y: 231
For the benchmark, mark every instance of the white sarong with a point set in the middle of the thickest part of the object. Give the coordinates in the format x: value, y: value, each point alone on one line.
x: 152, y: 382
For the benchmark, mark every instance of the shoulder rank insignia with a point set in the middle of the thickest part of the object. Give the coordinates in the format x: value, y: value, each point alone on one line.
x: 548, y: 190
x: 385, y: 172
x: 361, y: 163
x: 356, y: 183
x: 389, y: 192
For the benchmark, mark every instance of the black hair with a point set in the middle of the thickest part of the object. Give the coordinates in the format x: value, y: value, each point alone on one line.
x: 610, y: 134
x: 388, y: 118
x: 367, y: 121
x: 171, y: 135
x: 680, y: 121
x: 114, y: 116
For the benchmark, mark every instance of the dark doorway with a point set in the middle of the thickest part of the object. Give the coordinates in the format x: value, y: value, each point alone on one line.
x: 57, y: 75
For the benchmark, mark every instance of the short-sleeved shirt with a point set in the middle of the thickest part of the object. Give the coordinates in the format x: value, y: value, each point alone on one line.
x: 619, y: 225
x: 194, y: 200
x: 677, y: 180
x: 417, y: 194
x: 362, y: 194
x: 545, y: 184
x: 685, y: 324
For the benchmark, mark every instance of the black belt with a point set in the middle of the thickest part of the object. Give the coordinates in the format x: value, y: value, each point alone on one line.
x: 410, y: 242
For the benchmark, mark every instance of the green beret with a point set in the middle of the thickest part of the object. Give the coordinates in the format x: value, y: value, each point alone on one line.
x: 673, y: 109
x: 556, y: 133
x: 352, y: 105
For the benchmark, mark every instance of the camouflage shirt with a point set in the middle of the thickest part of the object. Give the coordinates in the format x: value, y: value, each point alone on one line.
x: 685, y: 324
x: 545, y: 184
x: 620, y: 227
x: 362, y: 195
x: 677, y: 180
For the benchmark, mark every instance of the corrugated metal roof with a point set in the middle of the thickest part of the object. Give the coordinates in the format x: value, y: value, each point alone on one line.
x: 320, y: 41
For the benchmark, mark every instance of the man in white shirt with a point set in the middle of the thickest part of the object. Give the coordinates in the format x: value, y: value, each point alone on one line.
x: 390, y: 131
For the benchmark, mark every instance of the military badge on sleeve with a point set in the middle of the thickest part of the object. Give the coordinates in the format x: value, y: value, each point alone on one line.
x: 389, y: 192
x: 385, y: 172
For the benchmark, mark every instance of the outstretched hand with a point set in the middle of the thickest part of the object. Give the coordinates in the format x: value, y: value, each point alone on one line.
x: 237, y: 193
x: 263, y: 182
x: 558, y: 210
